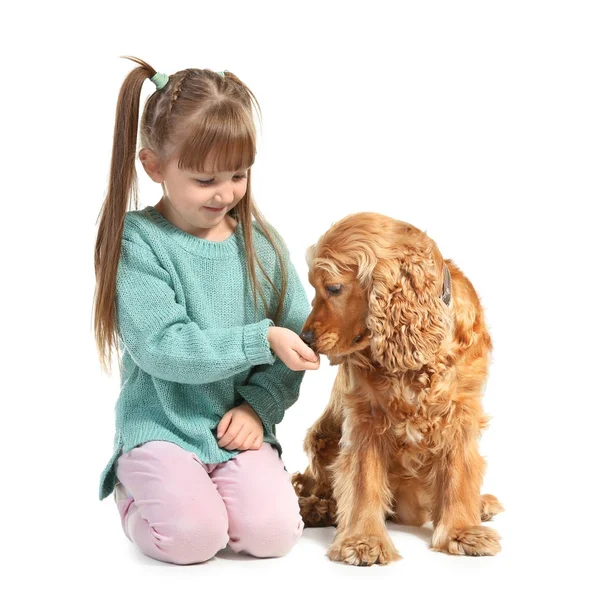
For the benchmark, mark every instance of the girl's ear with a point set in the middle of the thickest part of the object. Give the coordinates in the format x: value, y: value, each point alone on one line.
x: 151, y: 164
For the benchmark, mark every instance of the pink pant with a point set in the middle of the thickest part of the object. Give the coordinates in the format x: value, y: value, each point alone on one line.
x: 177, y: 509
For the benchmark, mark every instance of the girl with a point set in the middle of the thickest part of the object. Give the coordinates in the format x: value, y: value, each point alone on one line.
x: 206, y: 308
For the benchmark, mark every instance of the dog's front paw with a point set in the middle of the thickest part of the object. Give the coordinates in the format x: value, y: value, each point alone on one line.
x: 363, y: 550
x: 472, y: 541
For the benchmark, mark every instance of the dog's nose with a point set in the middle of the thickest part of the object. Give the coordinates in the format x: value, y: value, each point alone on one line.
x: 308, y: 337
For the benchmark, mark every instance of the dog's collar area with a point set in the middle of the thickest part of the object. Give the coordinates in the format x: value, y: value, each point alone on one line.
x: 446, y: 287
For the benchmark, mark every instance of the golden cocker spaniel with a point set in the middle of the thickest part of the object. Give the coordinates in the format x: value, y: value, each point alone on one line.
x: 399, y: 437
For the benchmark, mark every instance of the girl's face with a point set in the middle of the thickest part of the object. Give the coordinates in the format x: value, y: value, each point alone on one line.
x: 198, y: 203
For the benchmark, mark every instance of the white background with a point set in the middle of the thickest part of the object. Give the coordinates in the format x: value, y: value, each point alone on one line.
x: 472, y: 120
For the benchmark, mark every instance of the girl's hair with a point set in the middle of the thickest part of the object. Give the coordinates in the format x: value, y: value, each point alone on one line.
x: 197, y: 113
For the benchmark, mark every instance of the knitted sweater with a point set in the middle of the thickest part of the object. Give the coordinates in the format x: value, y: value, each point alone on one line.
x: 192, y: 344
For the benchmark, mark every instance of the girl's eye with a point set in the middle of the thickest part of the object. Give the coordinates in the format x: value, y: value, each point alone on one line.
x: 204, y: 182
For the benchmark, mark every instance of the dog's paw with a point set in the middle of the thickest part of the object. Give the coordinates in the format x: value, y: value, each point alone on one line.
x: 363, y: 550
x: 490, y: 506
x: 471, y: 541
x: 318, y: 512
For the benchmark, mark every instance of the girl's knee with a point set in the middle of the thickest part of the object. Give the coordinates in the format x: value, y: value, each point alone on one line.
x: 190, y: 543
x: 267, y: 536
x: 189, y: 536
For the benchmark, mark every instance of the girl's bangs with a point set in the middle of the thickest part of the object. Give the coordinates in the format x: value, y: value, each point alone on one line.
x: 222, y: 138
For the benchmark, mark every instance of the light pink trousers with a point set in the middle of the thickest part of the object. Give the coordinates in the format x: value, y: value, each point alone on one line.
x: 177, y: 509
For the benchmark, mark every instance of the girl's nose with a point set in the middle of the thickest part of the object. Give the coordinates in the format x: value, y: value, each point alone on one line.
x: 225, y: 192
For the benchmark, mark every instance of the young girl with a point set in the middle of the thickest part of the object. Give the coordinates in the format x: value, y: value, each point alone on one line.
x: 206, y: 308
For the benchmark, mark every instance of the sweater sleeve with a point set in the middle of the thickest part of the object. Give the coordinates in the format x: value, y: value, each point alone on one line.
x: 161, y: 338
x: 272, y: 389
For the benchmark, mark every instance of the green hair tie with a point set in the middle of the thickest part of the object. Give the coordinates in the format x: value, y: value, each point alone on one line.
x: 222, y: 73
x: 160, y: 79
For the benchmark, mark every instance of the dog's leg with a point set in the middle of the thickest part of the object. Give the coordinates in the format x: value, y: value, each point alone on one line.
x: 314, y: 487
x: 457, y: 520
x: 363, y: 500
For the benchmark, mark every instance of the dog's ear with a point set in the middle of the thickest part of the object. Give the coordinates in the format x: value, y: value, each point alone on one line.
x: 407, y: 318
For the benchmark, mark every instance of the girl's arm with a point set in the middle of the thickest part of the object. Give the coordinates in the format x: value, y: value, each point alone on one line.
x: 161, y: 338
x: 272, y: 389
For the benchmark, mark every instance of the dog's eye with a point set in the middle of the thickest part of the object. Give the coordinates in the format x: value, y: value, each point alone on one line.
x: 334, y: 290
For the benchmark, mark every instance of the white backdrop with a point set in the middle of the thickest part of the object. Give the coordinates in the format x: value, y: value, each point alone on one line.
x: 473, y: 121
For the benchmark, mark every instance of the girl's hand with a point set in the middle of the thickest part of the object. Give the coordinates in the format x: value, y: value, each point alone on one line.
x: 240, y: 429
x: 291, y: 349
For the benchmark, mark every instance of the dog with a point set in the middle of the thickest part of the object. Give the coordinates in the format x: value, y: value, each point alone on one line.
x: 399, y: 437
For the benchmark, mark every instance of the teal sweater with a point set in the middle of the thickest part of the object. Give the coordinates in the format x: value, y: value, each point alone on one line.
x: 192, y: 345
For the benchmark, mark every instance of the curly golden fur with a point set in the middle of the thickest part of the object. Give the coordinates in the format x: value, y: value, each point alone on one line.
x: 399, y: 437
